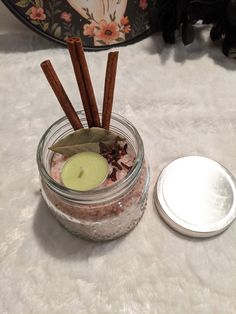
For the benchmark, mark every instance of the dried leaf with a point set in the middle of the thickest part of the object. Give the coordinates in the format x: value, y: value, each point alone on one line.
x: 82, y: 140
x: 101, y: 42
x: 35, y: 22
x: 28, y: 12
x: 120, y: 39
x: 54, y: 27
x: 39, y: 3
x: 23, y: 3
x: 45, y: 26
x: 57, y: 32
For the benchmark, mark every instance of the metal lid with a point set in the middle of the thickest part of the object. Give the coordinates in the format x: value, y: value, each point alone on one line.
x: 196, y: 196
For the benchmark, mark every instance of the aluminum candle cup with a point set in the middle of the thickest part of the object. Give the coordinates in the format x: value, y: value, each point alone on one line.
x: 85, y: 171
x: 105, y: 213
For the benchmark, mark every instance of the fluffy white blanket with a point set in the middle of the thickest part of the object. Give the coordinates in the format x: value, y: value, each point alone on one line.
x: 183, y: 101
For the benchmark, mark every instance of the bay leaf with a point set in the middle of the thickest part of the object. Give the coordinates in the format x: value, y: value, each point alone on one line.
x: 85, y: 140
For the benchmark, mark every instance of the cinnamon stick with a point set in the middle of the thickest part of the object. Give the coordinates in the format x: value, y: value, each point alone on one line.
x: 61, y: 94
x: 80, y: 80
x: 106, y: 86
x: 109, y: 89
x: 87, y: 82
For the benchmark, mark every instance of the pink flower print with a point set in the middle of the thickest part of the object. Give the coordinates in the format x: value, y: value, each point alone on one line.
x: 37, y: 14
x: 124, y: 20
x: 108, y: 31
x: 89, y: 29
x: 66, y: 17
x: 127, y: 29
x: 143, y: 4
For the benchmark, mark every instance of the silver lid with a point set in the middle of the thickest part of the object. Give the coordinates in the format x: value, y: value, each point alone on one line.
x: 196, y: 196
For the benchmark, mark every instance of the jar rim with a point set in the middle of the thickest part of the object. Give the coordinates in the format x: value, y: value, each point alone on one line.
x: 94, y: 194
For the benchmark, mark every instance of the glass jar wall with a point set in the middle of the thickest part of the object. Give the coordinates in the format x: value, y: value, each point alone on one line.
x: 102, y: 214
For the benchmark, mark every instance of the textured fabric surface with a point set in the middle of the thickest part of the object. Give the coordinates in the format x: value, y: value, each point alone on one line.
x: 182, y: 100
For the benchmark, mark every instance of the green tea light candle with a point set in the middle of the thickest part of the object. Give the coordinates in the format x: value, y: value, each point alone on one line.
x: 84, y: 171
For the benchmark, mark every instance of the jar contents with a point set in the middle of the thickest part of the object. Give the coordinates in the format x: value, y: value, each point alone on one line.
x: 107, y: 212
x: 131, y: 203
x: 120, y: 158
x: 100, y: 179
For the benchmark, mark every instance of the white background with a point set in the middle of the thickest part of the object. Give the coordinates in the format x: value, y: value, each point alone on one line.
x: 182, y: 100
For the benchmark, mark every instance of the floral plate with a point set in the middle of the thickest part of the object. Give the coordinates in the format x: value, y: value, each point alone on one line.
x: 100, y: 23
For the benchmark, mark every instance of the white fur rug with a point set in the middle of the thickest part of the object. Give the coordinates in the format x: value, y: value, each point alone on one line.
x: 183, y: 101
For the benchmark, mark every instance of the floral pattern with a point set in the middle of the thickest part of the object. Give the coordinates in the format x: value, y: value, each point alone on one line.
x: 143, y: 4
x: 60, y: 19
x: 37, y: 14
x: 107, y: 32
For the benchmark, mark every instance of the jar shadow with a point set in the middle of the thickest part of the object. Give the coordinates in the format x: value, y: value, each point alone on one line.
x: 60, y: 243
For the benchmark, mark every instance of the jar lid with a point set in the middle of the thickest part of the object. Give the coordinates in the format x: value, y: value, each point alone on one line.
x: 196, y: 196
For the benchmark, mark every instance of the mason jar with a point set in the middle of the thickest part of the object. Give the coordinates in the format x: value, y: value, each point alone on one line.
x: 101, y: 214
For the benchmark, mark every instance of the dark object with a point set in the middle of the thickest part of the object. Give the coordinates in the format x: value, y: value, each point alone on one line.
x: 168, y: 16
x: 187, y: 32
x: 231, y: 12
x: 113, y: 155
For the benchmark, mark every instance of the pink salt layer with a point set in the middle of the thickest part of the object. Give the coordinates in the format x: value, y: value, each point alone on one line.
x: 59, y: 160
x: 131, y: 202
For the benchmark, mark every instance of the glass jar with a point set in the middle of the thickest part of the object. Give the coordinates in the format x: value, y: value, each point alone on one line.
x: 102, y: 214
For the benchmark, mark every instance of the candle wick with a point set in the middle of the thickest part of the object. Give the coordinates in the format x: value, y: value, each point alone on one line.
x: 81, y: 172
